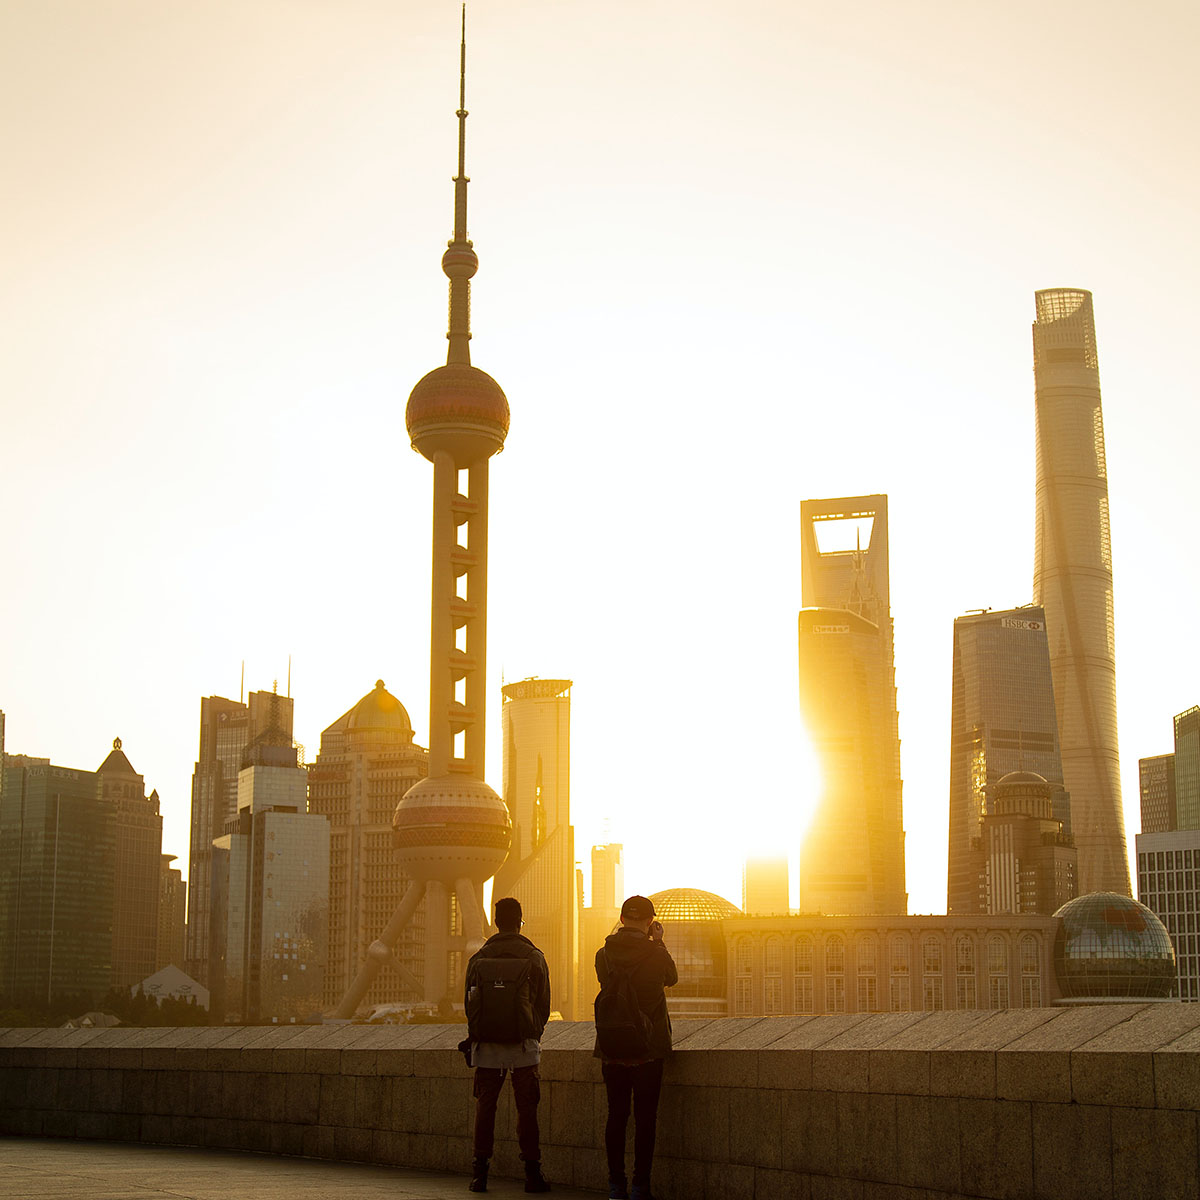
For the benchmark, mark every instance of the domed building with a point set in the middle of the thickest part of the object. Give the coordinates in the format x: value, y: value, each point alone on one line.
x: 367, y: 761
x: 691, y: 921
x: 1109, y: 949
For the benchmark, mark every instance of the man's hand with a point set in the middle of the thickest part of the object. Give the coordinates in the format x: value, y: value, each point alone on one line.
x: 656, y: 931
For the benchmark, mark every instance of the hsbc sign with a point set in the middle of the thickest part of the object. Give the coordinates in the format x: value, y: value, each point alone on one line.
x: 1014, y: 623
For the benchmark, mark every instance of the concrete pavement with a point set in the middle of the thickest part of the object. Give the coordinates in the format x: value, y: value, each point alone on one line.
x: 45, y: 1169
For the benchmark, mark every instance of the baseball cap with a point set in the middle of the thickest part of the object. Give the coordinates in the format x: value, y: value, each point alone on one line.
x: 638, y: 908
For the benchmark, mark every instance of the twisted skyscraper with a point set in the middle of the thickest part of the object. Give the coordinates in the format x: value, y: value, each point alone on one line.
x: 1072, y: 579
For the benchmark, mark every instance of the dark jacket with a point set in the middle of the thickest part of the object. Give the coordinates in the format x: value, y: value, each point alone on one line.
x: 515, y: 945
x: 653, y: 969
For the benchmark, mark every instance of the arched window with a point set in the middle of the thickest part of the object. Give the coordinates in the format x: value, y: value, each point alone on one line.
x: 743, y: 966
x: 835, y: 977
x: 1031, y: 975
x: 965, y: 994
x: 804, y: 955
x: 773, y: 976
x: 899, y: 965
x: 803, y: 980
x: 997, y: 961
x: 866, y: 953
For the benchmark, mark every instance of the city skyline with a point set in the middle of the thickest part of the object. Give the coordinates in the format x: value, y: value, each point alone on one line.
x: 221, y: 299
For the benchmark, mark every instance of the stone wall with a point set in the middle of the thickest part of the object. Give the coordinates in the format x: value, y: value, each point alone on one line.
x: 1088, y: 1103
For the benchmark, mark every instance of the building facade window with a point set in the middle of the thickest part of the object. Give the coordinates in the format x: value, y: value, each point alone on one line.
x: 868, y: 982
x: 899, y: 985
x: 835, y: 979
x: 743, y: 967
x: 964, y: 974
x: 997, y: 961
x: 773, y: 976
x: 803, y: 999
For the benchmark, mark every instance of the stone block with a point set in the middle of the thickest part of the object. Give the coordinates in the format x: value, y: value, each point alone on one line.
x: 14, y: 1084
x: 337, y: 1100
x: 205, y: 1092
x: 676, y: 1178
x: 717, y: 1033
x: 1153, y: 1154
x: 1112, y: 1077
x: 785, y: 1069
x: 572, y: 1119
x: 810, y: 1132
x: 65, y: 1058
x: 185, y: 1131
x: 1072, y: 1151
x: 354, y: 1145
x: 840, y: 1070
x: 780, y: 1185
x: 171, y: 1092
x: 21, y: 1122
x: 391, y: 1148
x: 289, y: 1139
x: 441, y: 1063
x: 155, y: 1129
x: 669, y: 1141
x: 559, y: 1065
x: 410, y: 1104
x: 356, y: 1061
x: 323, y: 1061
x: 372, y: 1102
x: 927, y: 1143
x: 391, y: 1063
x: 302, y: 1098
x: 1177, y: 1079
x: 72, y: 1089
x: 1067, y: 1028
x: 1150, y: 1028
x: 564, y: 1036
x: 585, y: 1066
x: 137, y: 1091
x: 241, y: 1093
x: 825, y: 1187
x: 706, y: 1124
x: 451, y: 1106
x: 254, y: 1136
x: 1034, y: 1075
x: 996, y: 1148
x: 853, y: 1135
x: 874, y: 1030
x: 722, y: 1068
x: 898, y: 1072
x: 969, y: 1073
x: 589, y: 1167
x: 430, y: 1153
x: 935, y: 1030
x: 764, y: 1032
x: 106, y: 1091
x: 273, y: 1103
x: 756, y: 1127
x: 730, y: 1181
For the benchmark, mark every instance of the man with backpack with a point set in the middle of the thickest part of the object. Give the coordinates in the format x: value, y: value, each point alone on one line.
x: 508, y: 1004
x: 633, y: 1037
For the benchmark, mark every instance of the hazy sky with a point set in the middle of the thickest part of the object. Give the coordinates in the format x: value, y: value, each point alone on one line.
x: 732, y: 256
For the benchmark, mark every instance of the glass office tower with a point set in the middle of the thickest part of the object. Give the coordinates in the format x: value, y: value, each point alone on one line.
x: 1003, y: 719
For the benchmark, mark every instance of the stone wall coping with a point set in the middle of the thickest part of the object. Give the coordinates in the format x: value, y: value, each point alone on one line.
x: 1124, y: 1028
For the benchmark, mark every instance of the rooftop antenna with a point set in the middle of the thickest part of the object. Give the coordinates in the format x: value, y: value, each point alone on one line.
x: 460, y: 255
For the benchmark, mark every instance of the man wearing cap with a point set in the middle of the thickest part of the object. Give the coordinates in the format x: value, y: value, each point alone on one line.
x: 638, y: 948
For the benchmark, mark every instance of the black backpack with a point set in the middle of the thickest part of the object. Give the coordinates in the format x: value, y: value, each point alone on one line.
x: 622, y: 1029
x: 498, y: 991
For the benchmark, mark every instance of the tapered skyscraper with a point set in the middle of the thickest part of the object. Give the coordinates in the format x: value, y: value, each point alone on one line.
x: 1072, y: 579
x: 451, y: 830
x: 852, y: 861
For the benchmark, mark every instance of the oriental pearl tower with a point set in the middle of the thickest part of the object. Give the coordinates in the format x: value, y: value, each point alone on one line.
x: 451, y: 830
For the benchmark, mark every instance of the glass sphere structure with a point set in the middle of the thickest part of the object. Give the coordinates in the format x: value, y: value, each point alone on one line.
x: 692, y: 932
x: 1110, y: 947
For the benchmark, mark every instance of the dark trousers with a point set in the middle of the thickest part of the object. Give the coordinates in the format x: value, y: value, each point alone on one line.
x: 527, y: 1091
x: 640, y: 1086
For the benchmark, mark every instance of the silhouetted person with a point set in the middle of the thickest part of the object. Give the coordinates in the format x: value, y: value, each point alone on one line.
x: 633, y: 967
x: 508, y: 1004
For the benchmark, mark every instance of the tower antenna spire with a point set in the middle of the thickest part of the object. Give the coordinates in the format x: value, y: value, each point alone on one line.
x: 459, y: 262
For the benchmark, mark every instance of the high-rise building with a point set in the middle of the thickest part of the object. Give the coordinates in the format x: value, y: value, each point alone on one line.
x: 367, y: 761
x: 608, y: 876
x: 765, y: 885
x: 227, y: 727
x: 852, y: 860
x: 58, y: 851
x: 1187, y: 769
x: 1156, y: 784
x: 1072, y: 579
x: 270, y: 916
x: 1024, y: 861
x: 137, y: 866
x: 451, y: 830
x: 1168, y: 875
x: 535, y: 720
x: 172, y: 910
x: 1002, y: 720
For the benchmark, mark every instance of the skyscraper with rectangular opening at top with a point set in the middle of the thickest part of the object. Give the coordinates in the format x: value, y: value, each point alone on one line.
x: 852, y: 860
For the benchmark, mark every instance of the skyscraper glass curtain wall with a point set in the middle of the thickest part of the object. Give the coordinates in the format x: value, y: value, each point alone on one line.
x: 1072, y: 578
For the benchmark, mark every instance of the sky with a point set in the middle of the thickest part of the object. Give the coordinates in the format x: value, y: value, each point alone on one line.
x: 731, y: 257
